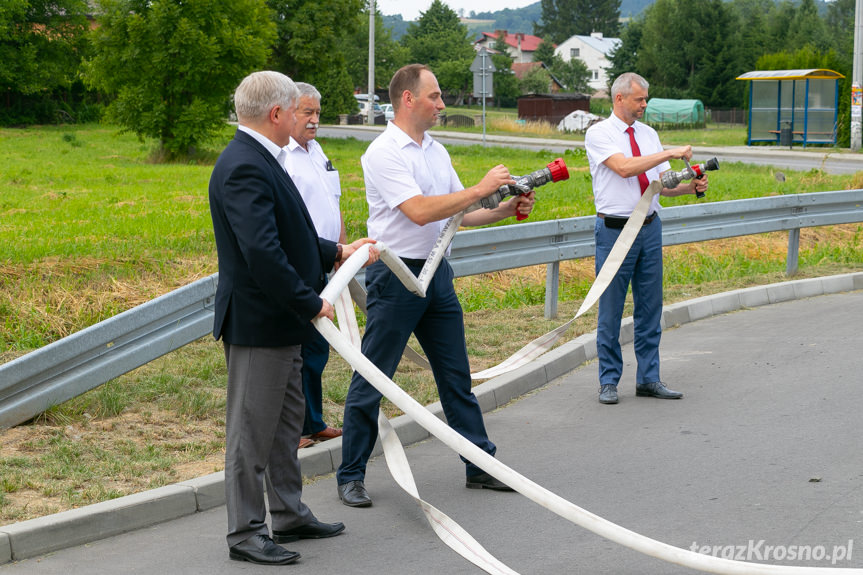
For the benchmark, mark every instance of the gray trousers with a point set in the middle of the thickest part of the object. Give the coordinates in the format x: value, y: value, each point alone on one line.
x: 263, y: 422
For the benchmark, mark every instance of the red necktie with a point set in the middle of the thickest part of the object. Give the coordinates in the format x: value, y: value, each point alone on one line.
x: 642, y: 177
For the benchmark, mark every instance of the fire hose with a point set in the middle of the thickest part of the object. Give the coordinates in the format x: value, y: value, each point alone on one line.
x: 346, y: 343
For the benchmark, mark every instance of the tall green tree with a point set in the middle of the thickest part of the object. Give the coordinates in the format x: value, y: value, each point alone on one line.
x: 506, y: 90
x: 544, y: 52
x: 439, y: 40
x: 808, y: 27
x: 752, y: 37
x: 685, y: 52
x: 311, y: 47
x: 171, y: 67
x: 562, y: 19
x: 624, y: 58
x: 42, y: 43
x: 779, y: 22
x: 840, y: 19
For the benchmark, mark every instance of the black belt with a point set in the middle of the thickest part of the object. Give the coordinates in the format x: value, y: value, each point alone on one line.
x: 617, y: 222
x: 416, y: 263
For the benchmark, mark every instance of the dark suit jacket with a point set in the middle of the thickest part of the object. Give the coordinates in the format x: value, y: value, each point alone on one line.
x: 271, y: 262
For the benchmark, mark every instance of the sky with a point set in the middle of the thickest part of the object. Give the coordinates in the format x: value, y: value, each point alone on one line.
x: 410, y: 9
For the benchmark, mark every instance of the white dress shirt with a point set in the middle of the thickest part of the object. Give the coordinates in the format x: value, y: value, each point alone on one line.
x: 318, y: 183
x: 612, y: 194
x: 396, y: 169
x: 267, y: 143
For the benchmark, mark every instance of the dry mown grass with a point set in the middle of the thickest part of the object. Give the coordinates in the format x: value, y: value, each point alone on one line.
x: 67, y: 459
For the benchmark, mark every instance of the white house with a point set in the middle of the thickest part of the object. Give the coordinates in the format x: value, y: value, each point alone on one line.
x: 594, y: 51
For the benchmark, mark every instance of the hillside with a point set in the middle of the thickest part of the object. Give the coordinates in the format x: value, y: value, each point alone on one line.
x: 510, y: 19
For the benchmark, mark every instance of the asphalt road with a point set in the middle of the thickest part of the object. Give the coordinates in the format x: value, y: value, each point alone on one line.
x: 845, y: 162
x: 763, y: 452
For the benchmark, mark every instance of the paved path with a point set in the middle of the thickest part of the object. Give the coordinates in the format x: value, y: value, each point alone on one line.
x: 764, y: 450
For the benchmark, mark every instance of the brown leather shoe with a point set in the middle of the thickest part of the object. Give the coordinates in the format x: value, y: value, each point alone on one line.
x: 306, y: 442
x: 325, y: 434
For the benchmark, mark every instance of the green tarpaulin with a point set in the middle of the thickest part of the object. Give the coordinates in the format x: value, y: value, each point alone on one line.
x: 664, y: 111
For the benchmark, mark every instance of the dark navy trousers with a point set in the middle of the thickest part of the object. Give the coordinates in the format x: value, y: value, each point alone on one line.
x: 315, y: 353
x: 437, y: 321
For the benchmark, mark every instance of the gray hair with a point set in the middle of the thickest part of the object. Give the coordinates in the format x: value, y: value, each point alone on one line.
x: 623, y: 84
x: 260, y: 92
x: 308, y: 91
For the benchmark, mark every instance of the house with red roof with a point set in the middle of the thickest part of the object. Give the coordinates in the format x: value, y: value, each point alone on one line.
x: 520, y: 46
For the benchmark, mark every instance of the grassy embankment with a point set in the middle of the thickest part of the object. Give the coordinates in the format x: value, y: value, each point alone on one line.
x: 89, y: 227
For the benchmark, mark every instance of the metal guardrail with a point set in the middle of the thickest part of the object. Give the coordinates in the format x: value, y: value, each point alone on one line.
x: 73, y: 365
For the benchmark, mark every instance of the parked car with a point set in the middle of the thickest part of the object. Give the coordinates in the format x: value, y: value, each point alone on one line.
x: 389, y: 114
x: 363, y: 102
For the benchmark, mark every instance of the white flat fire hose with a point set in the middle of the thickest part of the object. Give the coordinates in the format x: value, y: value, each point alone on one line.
x: 612, y: 263
x: 346, y: 344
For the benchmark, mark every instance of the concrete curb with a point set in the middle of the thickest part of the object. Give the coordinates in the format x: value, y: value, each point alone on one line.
x: 101, y: 520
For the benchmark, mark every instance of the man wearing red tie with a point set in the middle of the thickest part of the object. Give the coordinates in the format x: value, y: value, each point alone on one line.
x: 625, y: 156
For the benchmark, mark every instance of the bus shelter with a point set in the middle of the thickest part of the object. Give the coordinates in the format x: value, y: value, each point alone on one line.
x: 790, y: 107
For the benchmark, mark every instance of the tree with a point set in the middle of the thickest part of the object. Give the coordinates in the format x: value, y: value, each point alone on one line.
x: 562, y: 19
x: 752, y: 37
x: 808, y: 28
x: 573, y: 74
x: 685, y: 51
x: 439, y: 40
x: 840, y: 19
x: 624, y: 58
x: 389, y: 54
x: 172, y: 66
x: 544, y: 52
x: 311, y: 47
x: 536, y: 81
x: 506, y: 91
x: 780, y: 20
x: 42, y: 43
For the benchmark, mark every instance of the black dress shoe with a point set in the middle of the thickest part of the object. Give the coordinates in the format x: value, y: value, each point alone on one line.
x: 656, y: 389
x: 260, y: 549
x: 608, y: 393
x: 486, y: 481
x: 312, y: 530
x: 354, y: 494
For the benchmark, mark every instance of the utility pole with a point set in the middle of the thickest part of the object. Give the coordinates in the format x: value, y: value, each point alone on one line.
x: 371, y: 93
x: 856, y: 87
x: 483, y: 68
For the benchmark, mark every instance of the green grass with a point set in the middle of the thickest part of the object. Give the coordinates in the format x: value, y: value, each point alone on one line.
x: 503, y: 122
x: 89, y: 227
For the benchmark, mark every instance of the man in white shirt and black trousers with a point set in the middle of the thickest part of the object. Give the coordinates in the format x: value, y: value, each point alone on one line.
x: 412, y: 190
x: 318, y: 183
x: 624, y: 156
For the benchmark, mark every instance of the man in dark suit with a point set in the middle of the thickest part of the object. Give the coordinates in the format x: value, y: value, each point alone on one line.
x: 271, y: 269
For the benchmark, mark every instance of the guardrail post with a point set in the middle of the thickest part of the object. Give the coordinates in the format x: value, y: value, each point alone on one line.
x: 552, y: 280
x: 793, y: 251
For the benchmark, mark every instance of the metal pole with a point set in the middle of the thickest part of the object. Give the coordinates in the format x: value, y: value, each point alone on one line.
x: 371, y: 93
x: 552, y: 287
x: 485, y: 91
x: 856, y: 73
x: 791, y: 261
